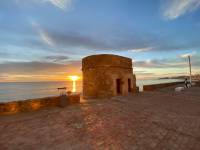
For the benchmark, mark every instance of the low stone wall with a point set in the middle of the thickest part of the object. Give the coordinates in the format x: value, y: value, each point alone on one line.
x: 197, y: 83
x: 36, y: 104
x: 158, y: 86
x: 136, y: 89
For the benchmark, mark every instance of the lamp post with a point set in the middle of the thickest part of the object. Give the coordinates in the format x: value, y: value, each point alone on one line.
x: 190, y: 69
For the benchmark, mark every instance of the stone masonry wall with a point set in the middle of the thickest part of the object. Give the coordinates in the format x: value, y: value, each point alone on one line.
x: 35, y: 104
x: 100, y: 73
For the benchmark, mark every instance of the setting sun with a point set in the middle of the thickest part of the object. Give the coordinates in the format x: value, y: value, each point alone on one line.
x: 73, y: 78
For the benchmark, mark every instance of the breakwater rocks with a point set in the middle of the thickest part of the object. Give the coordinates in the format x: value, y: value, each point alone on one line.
x: 36, y: 104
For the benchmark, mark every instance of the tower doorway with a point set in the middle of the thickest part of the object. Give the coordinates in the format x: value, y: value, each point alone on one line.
x: 119, y: 86
x: 129, y: 85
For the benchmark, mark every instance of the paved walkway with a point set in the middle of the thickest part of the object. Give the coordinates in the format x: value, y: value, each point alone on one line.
x: 161, y: 120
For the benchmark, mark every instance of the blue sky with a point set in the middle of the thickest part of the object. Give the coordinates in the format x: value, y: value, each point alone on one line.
x: 46, y: 39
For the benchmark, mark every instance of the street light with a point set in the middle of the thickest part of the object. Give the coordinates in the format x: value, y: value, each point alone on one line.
x: 190, y: 69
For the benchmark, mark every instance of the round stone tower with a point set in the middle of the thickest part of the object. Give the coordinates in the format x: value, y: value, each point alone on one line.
x: 107, y: 75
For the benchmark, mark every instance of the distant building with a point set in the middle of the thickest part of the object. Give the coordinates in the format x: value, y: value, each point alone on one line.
x: 107, y: 76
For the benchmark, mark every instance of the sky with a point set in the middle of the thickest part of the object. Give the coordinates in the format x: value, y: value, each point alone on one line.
x: 45, y: 40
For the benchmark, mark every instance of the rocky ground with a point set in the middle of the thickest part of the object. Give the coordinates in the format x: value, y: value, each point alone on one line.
x: 160, y: 120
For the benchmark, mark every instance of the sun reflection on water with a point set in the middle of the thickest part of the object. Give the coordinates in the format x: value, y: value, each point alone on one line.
x: 74, y: 79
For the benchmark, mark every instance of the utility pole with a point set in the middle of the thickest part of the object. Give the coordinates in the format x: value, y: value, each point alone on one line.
x: 190, y: 69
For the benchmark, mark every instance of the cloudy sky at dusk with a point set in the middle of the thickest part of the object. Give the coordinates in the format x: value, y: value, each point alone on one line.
x: 42, y: 40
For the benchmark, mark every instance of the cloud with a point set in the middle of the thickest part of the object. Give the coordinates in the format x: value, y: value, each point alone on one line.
x: 72, y: 39
x: 57, y: 58
x: 162, y: 63
x: 36, y: 67
x: 43, y: 34
x: 188, y: 54
x: 134, y: 42
x: 144, y: 74
x: 57, y: 40
x: 3, y: 54
x: 45, y: 37
x: 177, y: 8
x: 176, y: 63
x: 145, y: 49
x: 62, y: 4
x: 3, y: 76
x: 52, y: 71
x: 165, y: 67
x: 68, y: 39
x: 38, y: 71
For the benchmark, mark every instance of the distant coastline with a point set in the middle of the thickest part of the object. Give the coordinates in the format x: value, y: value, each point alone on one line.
x: 176, y: 77
x: 194, y: 77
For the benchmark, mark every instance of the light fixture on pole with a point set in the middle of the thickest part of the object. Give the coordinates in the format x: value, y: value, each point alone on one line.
x: 189, y: 57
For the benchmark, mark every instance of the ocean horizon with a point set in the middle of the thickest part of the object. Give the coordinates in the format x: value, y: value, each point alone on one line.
x: 16, y: 91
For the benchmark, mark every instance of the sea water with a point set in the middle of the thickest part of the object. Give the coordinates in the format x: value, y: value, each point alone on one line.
x: 14, y: 91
